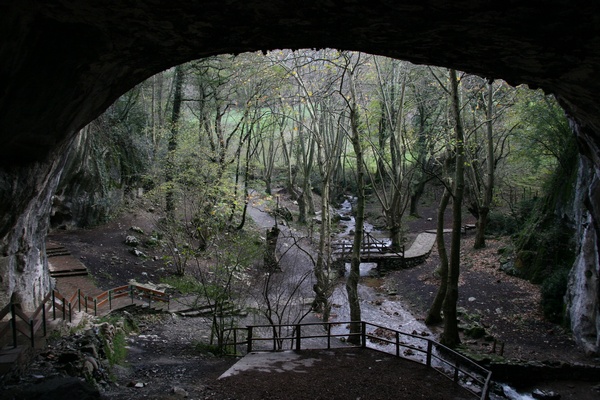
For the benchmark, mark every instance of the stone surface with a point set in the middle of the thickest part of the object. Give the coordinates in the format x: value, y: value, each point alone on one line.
x: 582, y: 298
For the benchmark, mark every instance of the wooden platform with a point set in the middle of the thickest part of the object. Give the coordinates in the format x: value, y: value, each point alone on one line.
x: 62, y: 263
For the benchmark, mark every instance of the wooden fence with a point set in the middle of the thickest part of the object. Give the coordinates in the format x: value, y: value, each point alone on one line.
x: 463, y: 371
x: 21, y: 324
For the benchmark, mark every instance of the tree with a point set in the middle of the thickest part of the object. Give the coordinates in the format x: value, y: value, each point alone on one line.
x: 393, y: 174
x: 450, y: 335
x: 175, y: 115
x: 350, y: 70
x: 488, y: 103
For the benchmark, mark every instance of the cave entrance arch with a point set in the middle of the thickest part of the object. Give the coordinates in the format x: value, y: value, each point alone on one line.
x: 63, y: 63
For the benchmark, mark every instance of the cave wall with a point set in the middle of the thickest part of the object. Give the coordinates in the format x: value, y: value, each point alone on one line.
x: 62, y: 63
x: 583, y: 291
x: 25, y: 203
x: 101, y: 172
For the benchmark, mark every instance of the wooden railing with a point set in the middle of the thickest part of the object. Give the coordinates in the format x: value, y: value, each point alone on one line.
x: 463, y: 371
x: 58, y: 306
x: 370, y: 245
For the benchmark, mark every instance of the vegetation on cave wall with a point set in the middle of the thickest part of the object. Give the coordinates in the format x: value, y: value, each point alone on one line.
x: 545, y: 244
x: 103, y: 166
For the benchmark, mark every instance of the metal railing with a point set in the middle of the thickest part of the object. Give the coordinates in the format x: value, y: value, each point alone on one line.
x: 460, y: 369
x: 21, y: 324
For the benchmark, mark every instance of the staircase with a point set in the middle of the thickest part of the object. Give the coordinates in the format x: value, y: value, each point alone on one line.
x: 62, y: 263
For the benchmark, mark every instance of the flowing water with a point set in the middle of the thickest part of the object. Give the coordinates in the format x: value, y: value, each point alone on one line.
x: 376, y: 307
x: 385, y: 309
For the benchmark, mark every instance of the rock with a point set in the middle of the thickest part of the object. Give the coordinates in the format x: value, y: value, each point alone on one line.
x: 90, y: 349
x: 475, y: 331
x: 137, y: 253
x: 131, y: 240
x: 545, y: 395
x: 137, y: 229
x: 88, y: 367
x: 68, y: 357
x: 63, y: 388
x: 179, y: 391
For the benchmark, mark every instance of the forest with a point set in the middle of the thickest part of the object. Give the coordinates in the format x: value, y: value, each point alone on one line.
x: 200, y: 140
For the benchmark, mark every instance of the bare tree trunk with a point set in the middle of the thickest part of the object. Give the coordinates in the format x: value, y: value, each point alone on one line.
x: 450, y: 335
x: 354, y: 275
x: 170, y: 167
x: 434, y: 315
x: 322, y: 286
x: 489, y: 186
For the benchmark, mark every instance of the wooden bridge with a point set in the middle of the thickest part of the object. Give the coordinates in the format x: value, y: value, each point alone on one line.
x: 378, y: 251
x: 373, y: 250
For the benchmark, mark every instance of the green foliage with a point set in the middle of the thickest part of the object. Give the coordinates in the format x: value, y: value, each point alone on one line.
x: 543, y: 248
x: 184, y: 284
x: 117, y: 353
x: 554, y: 289
x: 208, y: 348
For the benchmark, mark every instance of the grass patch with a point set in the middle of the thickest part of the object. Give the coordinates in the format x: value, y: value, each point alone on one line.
x: 116, y: 354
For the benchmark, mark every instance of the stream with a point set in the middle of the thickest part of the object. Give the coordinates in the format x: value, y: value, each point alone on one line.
x: 376, y: 307
x: 383, y: 308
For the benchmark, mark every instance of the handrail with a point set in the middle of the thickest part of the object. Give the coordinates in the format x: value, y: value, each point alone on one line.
x: 434, y: 355
x: 66, y: 306
x: 370, y: 245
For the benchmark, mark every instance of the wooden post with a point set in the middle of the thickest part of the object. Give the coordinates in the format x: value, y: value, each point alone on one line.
x: 95, y: 307
x: 328, y: 335
x: 397, y: 344
x: 298, y: 338
x: 13, y: 323
x: 31, y: 333
x: 456, y: 369
x: 429, y: 351
x: 79, y: 299
x: 53, y: 305
x: 110, y: 299
x: 363, y: 339
x: 44, y: 318
x: 70, y: 313
x: 234, y: 341
x: 249, y: 340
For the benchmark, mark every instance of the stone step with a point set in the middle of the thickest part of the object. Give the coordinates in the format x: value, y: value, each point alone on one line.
x: 10, y: 357
x: 59, y: 251
x: 58, y: 274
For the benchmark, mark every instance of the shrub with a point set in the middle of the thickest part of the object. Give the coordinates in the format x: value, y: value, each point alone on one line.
x: 553, y: 293
x: 501, y: 224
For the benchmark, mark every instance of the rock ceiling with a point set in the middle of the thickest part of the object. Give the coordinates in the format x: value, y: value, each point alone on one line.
x: 63, y: 62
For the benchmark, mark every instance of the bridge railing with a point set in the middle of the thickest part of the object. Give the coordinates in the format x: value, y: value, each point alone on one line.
x: 57, y: 306
x: 370, y: 245
x: 463, y: 371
